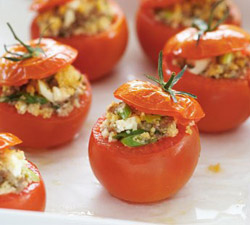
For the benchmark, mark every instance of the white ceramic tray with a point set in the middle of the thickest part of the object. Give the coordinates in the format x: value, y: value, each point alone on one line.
x: 74, y: 196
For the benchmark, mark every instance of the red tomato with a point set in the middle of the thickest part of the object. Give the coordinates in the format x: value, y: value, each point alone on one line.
x: 155, y: 171
x: 98, y: 54
x: 37, y: 132
x: 226, y: 102
x: 33, y: 197
x: 153, y: 34
x: 144, y: 174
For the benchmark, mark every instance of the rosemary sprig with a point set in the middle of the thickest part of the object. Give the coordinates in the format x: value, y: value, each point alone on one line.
x: 31, y: 51
x: 204, y: 27
x: 168, y: 86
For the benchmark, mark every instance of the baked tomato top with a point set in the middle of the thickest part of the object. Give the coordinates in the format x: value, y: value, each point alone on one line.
x: 151, y: 99
x: 223, y: 40
x: 8, y: 140
x: 51, y: 57
x: 44, y: 5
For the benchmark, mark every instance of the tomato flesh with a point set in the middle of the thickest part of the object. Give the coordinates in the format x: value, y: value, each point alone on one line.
x: 144, y: 174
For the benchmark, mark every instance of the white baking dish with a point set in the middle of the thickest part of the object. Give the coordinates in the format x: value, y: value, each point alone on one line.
x: 75, y: 197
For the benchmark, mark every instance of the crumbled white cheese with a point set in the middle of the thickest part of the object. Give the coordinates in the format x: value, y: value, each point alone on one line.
x: 128, y: 124
x: 74, y: 4
x: 61, y: 94
x: 69, y: 18
x: 15, y: 163
x: 44, y: 90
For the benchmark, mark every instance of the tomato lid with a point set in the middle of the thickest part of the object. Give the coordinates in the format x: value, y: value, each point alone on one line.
x: 53, y: 57
x: 223, y: 40
x: 8, y: 140
x: 44, y: 5
x: 149, y: 98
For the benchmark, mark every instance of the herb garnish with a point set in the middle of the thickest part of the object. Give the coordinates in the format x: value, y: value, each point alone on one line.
x: 132, y: 138
x: 31, y: 51
x: 167, y: 86
x: 125, y: 112
x: 25, y: 97
x: 135, y: 141
x: 128, y: 133
x: 204, y: 27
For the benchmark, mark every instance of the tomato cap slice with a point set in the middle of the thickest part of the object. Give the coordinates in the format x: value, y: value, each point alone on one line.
x: 8, y: 140
x: 55, y: 57
x: 44, y: 5
x: 225, y: 39
x: 151, y: 99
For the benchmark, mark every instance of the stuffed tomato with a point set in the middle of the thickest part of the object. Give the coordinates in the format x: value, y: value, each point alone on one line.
x: 44, y: 99
x: 146, y: 147
x: 21, y: 185
x: 159, y: 20
x: 218, y: 73
x: 97, y: 29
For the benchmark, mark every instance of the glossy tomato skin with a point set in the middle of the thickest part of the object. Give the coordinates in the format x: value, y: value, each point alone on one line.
x: 144, y: 174
x: 153, y: 35
x: 31, y: 198
x: 98, y: 54
x: 226, y: 102
x: 38, y: 133
x: 225, y: 39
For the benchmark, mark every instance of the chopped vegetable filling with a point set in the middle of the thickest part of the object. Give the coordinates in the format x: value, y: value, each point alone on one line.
x: 57, y: 94
x: 134, y: 128
x: 182, y: 14
x: 229, y: 66
x: 77, y: 17
x: 15, y: 176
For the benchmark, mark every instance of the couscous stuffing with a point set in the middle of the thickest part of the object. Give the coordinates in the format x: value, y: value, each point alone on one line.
x: 87, y: 17
x: 58, y: 94
x: 229, y: 66
x: 182, y: 14
x: 15, y: 175
x: 134, y: 128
